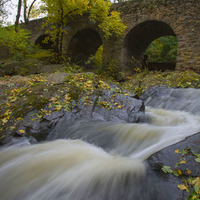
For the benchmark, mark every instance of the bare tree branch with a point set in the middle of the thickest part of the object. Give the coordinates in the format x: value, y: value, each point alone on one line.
x: 2, y: 3
x: 30, y: 8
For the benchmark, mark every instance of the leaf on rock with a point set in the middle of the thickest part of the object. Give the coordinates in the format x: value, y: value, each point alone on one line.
x: 167, y: 169
x: 179, y: 172
x: 177, y: 151
x: 182, y: 162
x: 175, y: 173
x: 21, y: 131
x: 196, y: 181
x: 197, y: 160
x: 182, y: 187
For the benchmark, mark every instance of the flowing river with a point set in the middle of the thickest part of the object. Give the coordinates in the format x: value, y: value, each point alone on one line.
x: 99, y: 160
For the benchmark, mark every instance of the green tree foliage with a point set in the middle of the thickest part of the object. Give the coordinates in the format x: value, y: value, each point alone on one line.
x: 18, y: 43
x: 60, y: 12
x: 163, y: 49
x: 118, y: 1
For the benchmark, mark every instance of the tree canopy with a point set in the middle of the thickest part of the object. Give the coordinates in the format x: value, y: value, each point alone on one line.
x: 60, y: 12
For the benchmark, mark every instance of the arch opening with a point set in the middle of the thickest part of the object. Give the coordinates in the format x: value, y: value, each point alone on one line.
x: 44, y: 42
x: 162, y: 53
x: 138, y: 40
x: 83, y: 45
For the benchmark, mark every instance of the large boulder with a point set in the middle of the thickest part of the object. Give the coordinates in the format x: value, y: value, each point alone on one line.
x: 102, y: 106
x: 180, y: 158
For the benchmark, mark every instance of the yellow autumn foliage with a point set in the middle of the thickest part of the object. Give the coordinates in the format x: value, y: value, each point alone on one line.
x: 61, y: 12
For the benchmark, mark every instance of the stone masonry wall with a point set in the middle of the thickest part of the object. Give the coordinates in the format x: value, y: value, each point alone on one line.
x: 180, y: 18
x: 36, y: 28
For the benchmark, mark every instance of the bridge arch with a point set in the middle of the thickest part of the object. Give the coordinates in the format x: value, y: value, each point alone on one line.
x: 140, y: 37
x: 84, y: 44
x: 44, y: 45
x: 168, y: 18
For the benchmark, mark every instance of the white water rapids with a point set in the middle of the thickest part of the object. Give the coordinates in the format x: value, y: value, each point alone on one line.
x: 96, y: 160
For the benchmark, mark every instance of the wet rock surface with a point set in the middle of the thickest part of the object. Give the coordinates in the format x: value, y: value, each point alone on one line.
x: 125, y: 109
x: 108, y: 107
x: 183, y: 99
x: 167, y: 183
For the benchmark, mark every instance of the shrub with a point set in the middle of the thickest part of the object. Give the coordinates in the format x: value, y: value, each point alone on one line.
x: 18, y: 43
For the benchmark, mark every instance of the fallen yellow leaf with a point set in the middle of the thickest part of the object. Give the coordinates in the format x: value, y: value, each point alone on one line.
x: 58, y: 107
x: 176, y: 151
x: 50, y: 106
x: 8, y: 104
x: 183, y: 162
x: 179, y: 172
x: 21, y: 131
x: 194, y: 197
x: 182, y: 187
x: 196, y: 181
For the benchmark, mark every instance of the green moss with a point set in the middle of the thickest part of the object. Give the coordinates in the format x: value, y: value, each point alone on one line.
x: 24, y: 106
x: 37, y: 84
x: 142, y: 80
x: 75, y: 92
x: 23, y: 71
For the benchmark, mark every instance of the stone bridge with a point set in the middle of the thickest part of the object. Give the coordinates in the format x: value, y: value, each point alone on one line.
x: 146, y: 21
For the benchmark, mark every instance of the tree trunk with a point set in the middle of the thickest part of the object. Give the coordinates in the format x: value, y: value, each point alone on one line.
x: 18, y: 15
x: 25, y: 7
x: 62, y: 25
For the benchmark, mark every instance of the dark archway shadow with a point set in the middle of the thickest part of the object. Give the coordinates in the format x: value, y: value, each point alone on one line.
x: 84, y: 44
x: 140, y: 37
x: 45, y: 44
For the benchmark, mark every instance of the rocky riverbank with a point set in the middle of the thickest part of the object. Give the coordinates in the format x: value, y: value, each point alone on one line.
x: 31, y: 106
x: 39, y: 107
